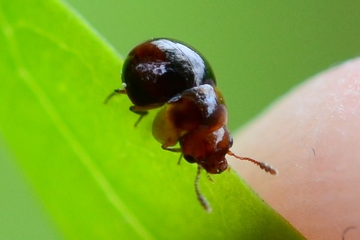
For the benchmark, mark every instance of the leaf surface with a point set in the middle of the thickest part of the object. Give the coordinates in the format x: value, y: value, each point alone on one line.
x: 97, y: 176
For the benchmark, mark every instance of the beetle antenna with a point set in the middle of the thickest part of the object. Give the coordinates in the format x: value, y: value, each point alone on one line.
x: 200, y: 197
x: 262, y: 165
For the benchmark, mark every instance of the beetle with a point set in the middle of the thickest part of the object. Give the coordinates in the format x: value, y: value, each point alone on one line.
x: 170, y: 75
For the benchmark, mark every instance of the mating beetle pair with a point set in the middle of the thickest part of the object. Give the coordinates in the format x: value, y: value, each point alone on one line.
x: 168, y: 74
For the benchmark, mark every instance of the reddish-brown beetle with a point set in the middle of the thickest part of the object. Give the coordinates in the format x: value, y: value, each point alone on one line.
x: 168, y: 74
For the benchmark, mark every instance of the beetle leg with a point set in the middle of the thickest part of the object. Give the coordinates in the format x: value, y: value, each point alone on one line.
x: 171, y: 149
x: 180, y: 158
x: 142, y: 114
x: 115, y: 92
x: 143, y: 110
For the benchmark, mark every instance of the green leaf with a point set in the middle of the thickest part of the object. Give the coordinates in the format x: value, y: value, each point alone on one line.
x: 97, y: 176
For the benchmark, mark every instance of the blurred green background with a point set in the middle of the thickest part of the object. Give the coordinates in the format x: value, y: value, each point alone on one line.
x: 258, y: 50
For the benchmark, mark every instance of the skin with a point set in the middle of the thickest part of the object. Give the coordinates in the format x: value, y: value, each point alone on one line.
x: 312, y: 137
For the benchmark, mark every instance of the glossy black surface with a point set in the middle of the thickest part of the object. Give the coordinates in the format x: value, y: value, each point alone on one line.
x: 158, y: 69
